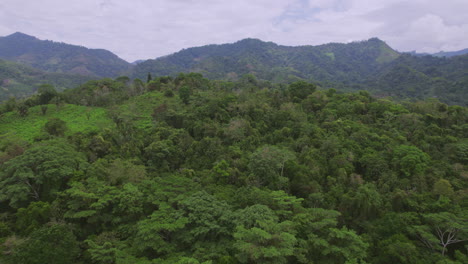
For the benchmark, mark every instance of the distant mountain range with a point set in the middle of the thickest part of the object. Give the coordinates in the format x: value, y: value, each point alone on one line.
x: 339, y: 62
x: 60, y: 57
x: 450, y: 53
x: 440, y: 54
x: 366, y: 65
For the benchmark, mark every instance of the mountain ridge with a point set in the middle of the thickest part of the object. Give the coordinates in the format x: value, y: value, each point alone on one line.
x: 370, y: 65
x: 60, y: 57
x: 257, y: 57
x: 450, y: 53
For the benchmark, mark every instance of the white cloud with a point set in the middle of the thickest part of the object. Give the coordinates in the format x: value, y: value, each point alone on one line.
x: 425, y: 26
x: 141, y: 29
x: 431, y: 34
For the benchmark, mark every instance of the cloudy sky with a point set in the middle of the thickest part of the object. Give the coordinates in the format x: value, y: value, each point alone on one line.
x: 142, y: 29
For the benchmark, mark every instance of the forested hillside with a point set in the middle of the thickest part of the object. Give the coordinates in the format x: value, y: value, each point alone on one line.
x: 189, y: 170
x: 20, y: 81
x: 424, y: 77
x: 60, y: 57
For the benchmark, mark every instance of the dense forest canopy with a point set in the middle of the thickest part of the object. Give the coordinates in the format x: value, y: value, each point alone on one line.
x: 183, y: 169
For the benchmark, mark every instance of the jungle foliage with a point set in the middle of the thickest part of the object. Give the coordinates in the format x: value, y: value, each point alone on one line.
x: 187, y: 170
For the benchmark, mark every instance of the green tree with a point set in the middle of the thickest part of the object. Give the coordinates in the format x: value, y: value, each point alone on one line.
x: 157, y: 232
x: 267, y: 167
x: 443, y: 229
x: 53, y: 244
x: 184, y: 94
x: 398, y: 249
x: 301, y: 89
x: 56, y: 127
x: 149, y: 78
x: 32, y: 217
x: 283, y: 205
x: 374, y: 164
x: 461, y: 152
x: 138, y: 86
x: 39, y: 173
x: 22, y: 109
x: 443, y: 187
x: 123, y: 79
x: 253, y: 215
x: 320, y: 241
x: 46, y: 93
x: 103, y: 250
x: 363, y: 204
x: 270, y: 242
x: 44, y: 109
x: 410, y: 160
x: 118, y: 171
x: 90, y: 204
x: 208, y: 217
x: 10, y: 104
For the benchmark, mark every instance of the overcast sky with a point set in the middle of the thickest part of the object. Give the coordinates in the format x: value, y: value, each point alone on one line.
x: 143, y: 29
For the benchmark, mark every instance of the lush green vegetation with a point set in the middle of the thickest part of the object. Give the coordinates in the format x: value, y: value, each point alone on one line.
x: 78, y: 119
x: 187, y: 170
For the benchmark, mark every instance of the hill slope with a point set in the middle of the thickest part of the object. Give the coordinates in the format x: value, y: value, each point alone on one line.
x: 20, y: 80
x: 424, y: 77
x: 60, y: 57
x: 78, y: 119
